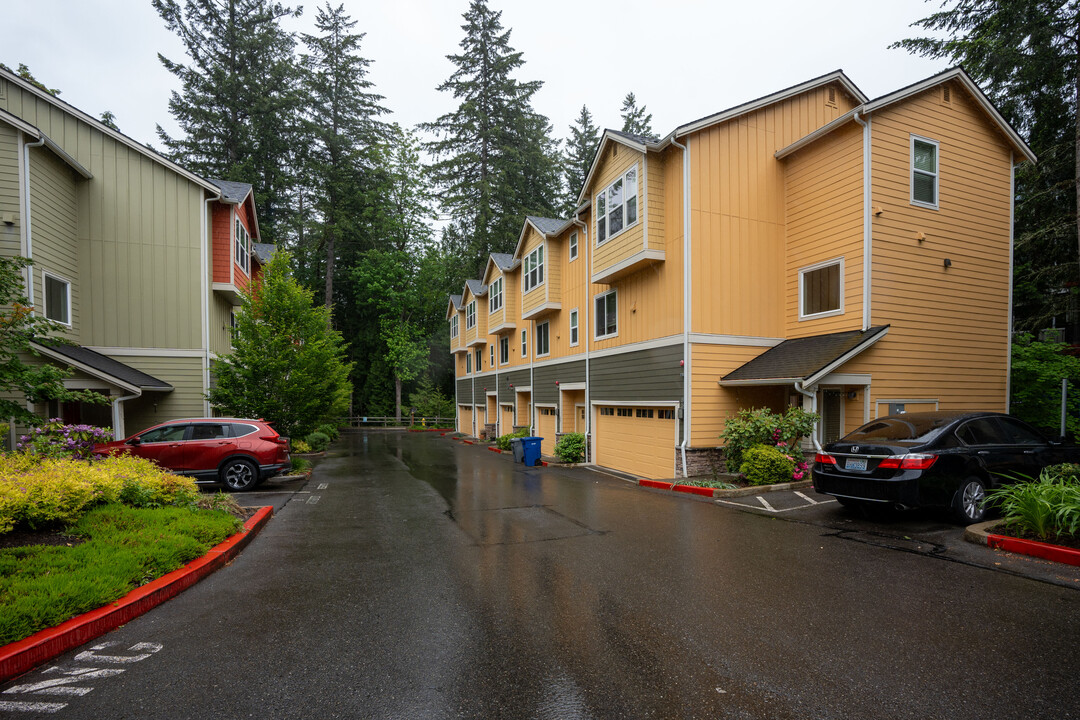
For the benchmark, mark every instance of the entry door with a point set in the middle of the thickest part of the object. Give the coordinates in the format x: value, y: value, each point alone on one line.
x: 832, y: 416
x: 579, y: 419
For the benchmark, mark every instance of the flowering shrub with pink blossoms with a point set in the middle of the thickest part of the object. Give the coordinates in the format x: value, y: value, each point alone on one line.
x: 778, y: 433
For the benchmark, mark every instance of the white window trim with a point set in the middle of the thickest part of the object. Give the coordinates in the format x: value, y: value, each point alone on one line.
x: 818, y: 266
x: 454, y: 329
x: 493, y: 296
x: 539, y: 249
x: 524, y: 343
x: 545, y: 324
x: 238, y: 227
x: 470, y: 307
x: 937, y: 174
x: 45, y: 296
x: 626, y: 226
x: 575, y: 325
x: 573, y: 245
x: 468, y: 363
x: 595, y: 298
x: 504, y: 339
x: 491, y: 355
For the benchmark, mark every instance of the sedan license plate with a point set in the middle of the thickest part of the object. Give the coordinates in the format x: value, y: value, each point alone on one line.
x: 855, y: 464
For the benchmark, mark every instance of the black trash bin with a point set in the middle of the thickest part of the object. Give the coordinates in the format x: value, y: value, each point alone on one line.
x: 519, y: 449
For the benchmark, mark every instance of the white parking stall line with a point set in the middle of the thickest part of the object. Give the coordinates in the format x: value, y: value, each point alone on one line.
x: 313, y: 499
x: 807, y: 499
x: 38, y: 707
x: 744, y: 506
x: 322, y: 486
x: 765, y: 502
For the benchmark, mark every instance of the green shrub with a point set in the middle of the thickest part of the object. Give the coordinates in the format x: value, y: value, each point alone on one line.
x: 761, y: 426
x: 503, y: 441
x: 1046, y: 508
x: 318, y: 441
x: 299, y: 446
x: 299, y: 465
x: 331, y: 431
x: 766, y: 464
x: 570, y: 448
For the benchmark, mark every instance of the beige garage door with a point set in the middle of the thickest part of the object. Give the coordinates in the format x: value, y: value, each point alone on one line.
x: 465, y: 419
x: 639, y: 441
x: 545, y: 421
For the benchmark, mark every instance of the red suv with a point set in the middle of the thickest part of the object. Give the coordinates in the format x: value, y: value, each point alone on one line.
x: 238, y: 452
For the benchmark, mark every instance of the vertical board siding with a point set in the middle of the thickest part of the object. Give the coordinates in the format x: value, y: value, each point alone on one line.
x: 617, y: 160
x: 572, y: 288
x: 949, y: 326
x: 10, y: 235
x: 824, y: 208
x: 712, y: 404
x: 53, y: 227
x: 738, y: 209
x: 185, y: 400
x: 220, y: 325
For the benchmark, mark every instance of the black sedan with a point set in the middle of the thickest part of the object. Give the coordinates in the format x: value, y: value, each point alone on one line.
x: 935, y: 459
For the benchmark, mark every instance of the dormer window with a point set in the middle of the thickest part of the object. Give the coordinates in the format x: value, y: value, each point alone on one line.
x: 534, y: 268
x: 495, y: 295
x: 616, y: 206
x: 470, y: 315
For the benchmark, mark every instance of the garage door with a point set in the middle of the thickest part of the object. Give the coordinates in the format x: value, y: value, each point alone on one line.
x: 465, y: 419
x: 545, y: 421
x: 506, y: 419
x: 639, y: 441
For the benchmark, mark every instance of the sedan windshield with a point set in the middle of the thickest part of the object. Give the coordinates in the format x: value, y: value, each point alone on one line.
x: 914, y: 429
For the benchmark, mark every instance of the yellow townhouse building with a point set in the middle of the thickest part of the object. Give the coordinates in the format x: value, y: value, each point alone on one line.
x: 811, y: 247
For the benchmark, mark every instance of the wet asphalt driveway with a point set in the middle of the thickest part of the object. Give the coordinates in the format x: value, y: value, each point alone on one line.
x: 414, y: 577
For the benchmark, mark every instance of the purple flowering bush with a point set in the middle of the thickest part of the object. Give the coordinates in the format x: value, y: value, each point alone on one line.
x: 54, y: 439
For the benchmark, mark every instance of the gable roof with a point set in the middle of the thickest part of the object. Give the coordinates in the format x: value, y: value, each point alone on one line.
x: 454, y: 306
x: 804, y: 360
x: 19, y: 124
x: 501, y: 261
x: 476, y: 287
x: 103, y: 128
x: 100, y: 366
x: 263, y: 252
x: 546, y: 227
x: 232, y: 192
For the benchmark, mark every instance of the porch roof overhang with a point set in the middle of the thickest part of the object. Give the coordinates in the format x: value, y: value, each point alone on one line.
x: 101, y: 367
x: 804, y: 360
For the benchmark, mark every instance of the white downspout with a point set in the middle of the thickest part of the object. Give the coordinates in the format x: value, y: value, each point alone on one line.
x: 118, y: 415
x: 1012, y: 230
x: 686, y: 302
x: 868, y: 238
x: 813, y: 408
x: 204, y: 262
x: 26, y: 221
x: 583, y: 328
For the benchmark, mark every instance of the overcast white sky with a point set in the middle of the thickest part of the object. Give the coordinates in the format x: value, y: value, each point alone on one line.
x: 682, y: 58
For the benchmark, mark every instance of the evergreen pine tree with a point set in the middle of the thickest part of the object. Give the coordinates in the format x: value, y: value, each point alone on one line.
x: 238, y: 103
x: 343, y: 122
x: 495, y: 160
x: 580, y: 149
x: 635, y: 120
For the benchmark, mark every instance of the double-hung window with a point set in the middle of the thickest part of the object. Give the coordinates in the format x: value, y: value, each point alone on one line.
x: 524, y: 343
x: 504, y: 350
x: 495, y: 295
x: 470, y: 315
x: 573, y: 246
x: 491, y: 355
x: 57, y: 299
x: 534, y: 268
x: 243, y: 246
x: 573, y: 327
x: 468, y: 363
x: 617, y: 206
x: 924, y: 172
x: 479, y: 362
x: 607, y: 315
x: 820, y: 289
x: 543, y: 346
x: 453, y: 327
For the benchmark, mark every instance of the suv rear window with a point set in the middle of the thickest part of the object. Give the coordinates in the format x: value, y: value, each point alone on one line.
x: 242, y: 429
x: 912, y: 429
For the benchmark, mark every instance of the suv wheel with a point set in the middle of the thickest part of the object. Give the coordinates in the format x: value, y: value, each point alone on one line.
x: 239, y: 474
x: 969, y: 503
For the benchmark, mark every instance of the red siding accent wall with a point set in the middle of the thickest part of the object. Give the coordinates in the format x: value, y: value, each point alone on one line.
x: 222, y: 236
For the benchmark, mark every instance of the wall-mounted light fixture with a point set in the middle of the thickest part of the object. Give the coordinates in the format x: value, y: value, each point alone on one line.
x: 948, y: 262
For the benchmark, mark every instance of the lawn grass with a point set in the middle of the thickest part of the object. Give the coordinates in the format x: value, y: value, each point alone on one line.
x: 124, y: 547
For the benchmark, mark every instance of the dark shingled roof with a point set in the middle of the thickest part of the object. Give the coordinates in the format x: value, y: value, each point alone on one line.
x: 477, y: 286
x: 547, y: 225
x: 263, y: 251
x: 503, y: 261
x: 234, y: 192
x: 456, y: 299
x: 640, y: 139
x: 105, y: 365
x: 802, y: 358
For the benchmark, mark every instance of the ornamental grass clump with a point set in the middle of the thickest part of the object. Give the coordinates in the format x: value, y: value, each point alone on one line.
x: 1046, y: 509
x: 54, y: 439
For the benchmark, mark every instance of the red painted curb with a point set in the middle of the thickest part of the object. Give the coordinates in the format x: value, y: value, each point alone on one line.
x: 22, y: 655
x: 467, y: 442
x: 544, y: 463
x: 494, y: 449
x: 1034, y: 548
x: 689, y: 489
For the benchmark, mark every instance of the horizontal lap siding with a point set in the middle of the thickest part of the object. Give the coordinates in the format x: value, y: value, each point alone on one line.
x: 738, y: 214
x: 544, y: 376
x: 949, y: 326
x: 464, y: 390
x: 824, y: 193
x: 517, y: 379
x: 649, y: 375
x: 538, y: 294
x: 711, y: 405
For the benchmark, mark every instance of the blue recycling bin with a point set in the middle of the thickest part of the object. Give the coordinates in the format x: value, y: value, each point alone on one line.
x: 531, y: 449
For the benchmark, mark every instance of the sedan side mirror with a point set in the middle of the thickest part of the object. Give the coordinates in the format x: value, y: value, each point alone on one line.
x: 134, y: 441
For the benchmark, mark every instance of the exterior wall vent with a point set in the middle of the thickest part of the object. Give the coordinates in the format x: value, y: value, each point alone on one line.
x: 946, y: 95
x: 831, y: 97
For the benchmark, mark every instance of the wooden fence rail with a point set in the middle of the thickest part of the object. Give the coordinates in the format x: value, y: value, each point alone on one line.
x: 360, y: 421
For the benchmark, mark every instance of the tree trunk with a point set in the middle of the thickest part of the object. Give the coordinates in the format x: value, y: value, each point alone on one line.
x: 329, y: 297
x: 397, y: 399
x: 1076, y: 120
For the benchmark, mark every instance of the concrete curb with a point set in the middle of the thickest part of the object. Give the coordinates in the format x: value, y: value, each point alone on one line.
x: 720, y: 493
x: 980, y: 535
x: 23, y: 655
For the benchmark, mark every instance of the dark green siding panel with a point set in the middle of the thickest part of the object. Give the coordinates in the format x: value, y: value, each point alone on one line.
x: 479, y: 391
x: 544, y: 376
x: 647, y: 375
x: 464, y: 390
x: 517, y: 378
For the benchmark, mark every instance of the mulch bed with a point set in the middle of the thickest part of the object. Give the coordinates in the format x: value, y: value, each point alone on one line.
x: 24, y: 538
x: 1069, y: 541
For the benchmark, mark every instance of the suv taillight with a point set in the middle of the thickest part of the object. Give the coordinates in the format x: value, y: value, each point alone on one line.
x: 907, y: 462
